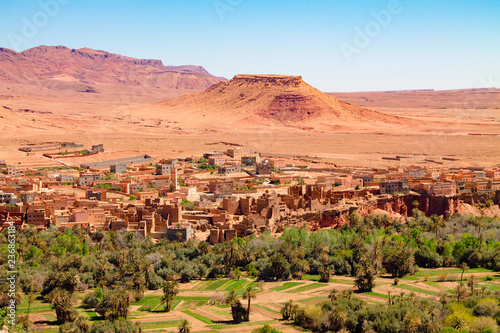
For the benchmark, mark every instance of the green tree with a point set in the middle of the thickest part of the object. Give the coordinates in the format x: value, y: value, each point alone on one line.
x: 62, y: 303
x: 365, y: 278
x: 184, y: 326
x: 463, y: 267
x: 114, y: 304
x: 399, y: 260
x: 238, y: 312
x: 288, y: 310
x: 248, y: 294
x: 31, y: 298
x: 170, y: 290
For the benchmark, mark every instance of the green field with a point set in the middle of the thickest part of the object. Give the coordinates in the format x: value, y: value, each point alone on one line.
x: 307, y: 288
x: 199, y: 317
x: 287, y: 285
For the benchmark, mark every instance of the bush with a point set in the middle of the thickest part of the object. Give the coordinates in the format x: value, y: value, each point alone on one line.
x: 266, y: 329
x: 118, y: 326
x: 90, y: 301
x: 424, y: 257
x: 487, y: 307
x: 146, y: 307
x: 154, y: 281
x: 188, y: 273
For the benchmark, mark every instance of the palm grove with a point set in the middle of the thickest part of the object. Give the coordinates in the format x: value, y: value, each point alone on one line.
x: 119, y: 267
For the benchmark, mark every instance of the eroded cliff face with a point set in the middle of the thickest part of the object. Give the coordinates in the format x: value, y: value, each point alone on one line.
x: 397, y: 206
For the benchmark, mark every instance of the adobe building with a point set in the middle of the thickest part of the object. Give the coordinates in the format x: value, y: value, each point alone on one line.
x: 238, y: 152
x: 250, y: 160
x: 394, y: 187
x: 264, y: 168
x: 27, y: 197
x: 228, y: 169
x: 221, y: 235
x: 97, y: 148
x: 165, y: 168
x: 118, y: 168
x: 14, y: 172
x: 216, y: 160
x: 277, y: 164
x: 87, y: 179
x: 181, y: 232
x: 213, y: 154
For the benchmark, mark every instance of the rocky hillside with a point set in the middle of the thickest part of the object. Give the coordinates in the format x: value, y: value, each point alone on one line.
x: 63, y: 68
x: 277, y: 99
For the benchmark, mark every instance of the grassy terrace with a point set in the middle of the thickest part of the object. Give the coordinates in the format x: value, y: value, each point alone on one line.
x: 417, y: 290
x: 307, y: 287
x: 193, y: 300
x: 199, y: 317
x: 287, y: 285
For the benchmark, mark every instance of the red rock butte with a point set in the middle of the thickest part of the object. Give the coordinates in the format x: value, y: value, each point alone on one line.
x: 277, y: 99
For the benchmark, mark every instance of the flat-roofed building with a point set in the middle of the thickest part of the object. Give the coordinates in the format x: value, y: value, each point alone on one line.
x: 394, y: 187
x: 250, y: 159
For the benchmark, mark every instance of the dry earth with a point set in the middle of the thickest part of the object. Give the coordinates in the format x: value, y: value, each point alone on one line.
x: 270, y: 114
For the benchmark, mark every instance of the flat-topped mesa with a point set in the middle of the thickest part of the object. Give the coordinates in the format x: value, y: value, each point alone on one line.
x: 268, y: 79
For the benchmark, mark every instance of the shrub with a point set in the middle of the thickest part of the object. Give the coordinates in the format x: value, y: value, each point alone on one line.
x: 266, y: 329
x: 487, y: 307
x: 90, y: 300
x: 146, y: 307
x: 443, y: 277
x: 118, y: 326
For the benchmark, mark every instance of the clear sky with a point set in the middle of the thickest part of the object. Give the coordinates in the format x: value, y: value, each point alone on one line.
x: 336, y: 45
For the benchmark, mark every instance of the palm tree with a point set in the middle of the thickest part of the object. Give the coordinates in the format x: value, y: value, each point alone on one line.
x: 365, y: 277
x: 288, y: 310
x: 337, y: 319
x: 299, y: 267
x: 114, y: 304
x: 31, y: 298
x: 472, y: 283
x: 463, y: 267
x: 170, y: 289
x: 461, y: 291
x: 437, y: 224
x: 184, y: 326
x: 412, y: 322
x: 238, y: 312
x: 232, y: 298
x: 325, y: 272
x: 333, y: 295
x: 62, y: 303
x: 232, y: 254
x: 248, y: 295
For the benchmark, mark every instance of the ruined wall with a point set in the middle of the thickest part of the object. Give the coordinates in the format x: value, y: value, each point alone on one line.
x: 403, y: 205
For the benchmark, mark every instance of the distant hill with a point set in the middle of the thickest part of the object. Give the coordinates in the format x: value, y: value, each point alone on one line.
x: 279, y: 100
x: 62, y: 68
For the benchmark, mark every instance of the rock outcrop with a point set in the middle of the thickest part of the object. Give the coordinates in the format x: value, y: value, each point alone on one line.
x: 280, y: 100
x: 43, y: 64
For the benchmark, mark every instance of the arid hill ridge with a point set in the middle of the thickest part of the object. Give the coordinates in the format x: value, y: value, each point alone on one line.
x: 63, y: 68
x: 280, y: 99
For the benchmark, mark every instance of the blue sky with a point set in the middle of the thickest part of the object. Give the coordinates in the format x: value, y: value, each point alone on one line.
x: 335, y: 45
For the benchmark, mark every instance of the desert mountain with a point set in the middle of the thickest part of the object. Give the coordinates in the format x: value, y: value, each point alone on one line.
x: 276, y: 100
x: 62, y: 68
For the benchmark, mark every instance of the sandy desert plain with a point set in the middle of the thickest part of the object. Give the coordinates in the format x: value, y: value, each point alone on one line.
x: 129, y: 121
x: 136, y: 106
